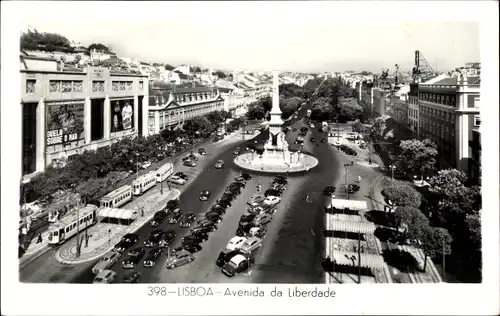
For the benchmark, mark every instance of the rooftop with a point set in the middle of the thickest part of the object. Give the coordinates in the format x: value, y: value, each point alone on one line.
x: 180, y: 88
x: 453, y: 81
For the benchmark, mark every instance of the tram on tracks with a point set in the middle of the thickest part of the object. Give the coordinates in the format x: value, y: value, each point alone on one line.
x: 67, y: 227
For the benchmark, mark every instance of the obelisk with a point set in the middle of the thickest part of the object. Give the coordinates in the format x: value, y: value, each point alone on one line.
x: 276, y: 141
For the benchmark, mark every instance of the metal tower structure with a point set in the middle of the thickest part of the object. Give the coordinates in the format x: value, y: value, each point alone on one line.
x: 422, y: 70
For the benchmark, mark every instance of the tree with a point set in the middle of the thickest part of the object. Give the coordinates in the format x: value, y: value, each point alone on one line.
x: 219, y: 74
x: 414, y: 221
x: 99, y: 47
x: 289, y: 105
x: 290, y: 90
x: 417, y: 155
x: 378, y: 127
x: 169, y: 67
x: 199, y: 124
x: 452, y: 193
x: 402, y: 194
x: 349, y: 109
x: 436, y: 241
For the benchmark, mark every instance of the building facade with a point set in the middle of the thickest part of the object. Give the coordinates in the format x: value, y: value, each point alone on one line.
x: 413, y: 108
x: 171, y: 105
x: 66, y: 113
x: 448, y: 113
x: 475, y: 162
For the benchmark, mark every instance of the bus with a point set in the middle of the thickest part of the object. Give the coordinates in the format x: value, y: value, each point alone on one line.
x: 164, y: 172
x: 117, y: 197
x: 144, y: 183
x: 67, y: 227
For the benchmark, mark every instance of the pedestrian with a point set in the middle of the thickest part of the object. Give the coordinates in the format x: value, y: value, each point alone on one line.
x: 142, y: 212
x: 307, y: 168
x: 39, y: 238
x: 369, y: 161
x: 354, y: 248
x: 359, y: 179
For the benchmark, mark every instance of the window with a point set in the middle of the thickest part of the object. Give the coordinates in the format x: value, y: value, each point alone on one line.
x: 30, y: 86
x: 477, y: 120
x: 63, y: 86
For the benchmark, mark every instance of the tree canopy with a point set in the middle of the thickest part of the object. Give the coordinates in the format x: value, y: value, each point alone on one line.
x: 414, y: 220
x: 99, y: 47
x: 435, y: 241
x: 45, y: 41
x: 417, y: 156
x: 219, y: 74
x: 402, y: 194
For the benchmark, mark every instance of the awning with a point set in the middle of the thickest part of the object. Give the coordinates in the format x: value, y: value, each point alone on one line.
x: 333, y: 224
x: 367, y: 260
x: 344, y: 217
x: 350, y: 204
x: 117, y: 213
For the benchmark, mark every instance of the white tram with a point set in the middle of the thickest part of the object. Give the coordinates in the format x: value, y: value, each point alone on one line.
x: 117, y: 197
x: 67, y: 227
x: 144, y: 183
x: 164, y: 172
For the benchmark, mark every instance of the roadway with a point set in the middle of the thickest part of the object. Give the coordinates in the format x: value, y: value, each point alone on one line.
x: 291, y: 251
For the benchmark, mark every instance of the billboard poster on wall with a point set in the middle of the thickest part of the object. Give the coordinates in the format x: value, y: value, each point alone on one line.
x: 122, y: 115
x: 64, y: 122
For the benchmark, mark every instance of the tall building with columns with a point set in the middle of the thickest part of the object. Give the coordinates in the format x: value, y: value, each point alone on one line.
x: 68, y: 112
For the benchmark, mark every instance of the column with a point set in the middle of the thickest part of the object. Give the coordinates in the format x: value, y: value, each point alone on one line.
x: 40, y: 136
x: 87, y: 109
x: 136, y: 116
x: 107, y: 117
x: 157, y: 122
x: 145, y: 114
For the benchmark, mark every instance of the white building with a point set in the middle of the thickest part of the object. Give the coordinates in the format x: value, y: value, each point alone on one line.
x: 185, y: 69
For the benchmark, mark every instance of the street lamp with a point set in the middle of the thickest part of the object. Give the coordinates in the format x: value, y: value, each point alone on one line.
x: 392, y: 167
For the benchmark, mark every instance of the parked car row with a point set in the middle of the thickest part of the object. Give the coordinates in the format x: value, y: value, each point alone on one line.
x: 348, y: 150
x: 239, y: 254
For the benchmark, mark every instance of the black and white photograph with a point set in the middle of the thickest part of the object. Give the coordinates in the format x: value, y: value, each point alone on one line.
x: 220, y: 150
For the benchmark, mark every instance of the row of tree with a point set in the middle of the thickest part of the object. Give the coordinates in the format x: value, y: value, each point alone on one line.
x: 291, y: 98
x: 94, y: 173
x: 451, y: 212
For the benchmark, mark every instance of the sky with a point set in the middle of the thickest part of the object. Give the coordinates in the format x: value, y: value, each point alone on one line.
x: 291, y: 36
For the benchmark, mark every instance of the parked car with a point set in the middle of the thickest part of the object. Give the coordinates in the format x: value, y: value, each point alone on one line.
x: 278, y: 186
x: 172, y: 205
x: 219, y: 164
x: 262, y: 219
x: 235, y: 243
x: 175, y: 216
x: 329, y: 190
x: 280, y: 180
x: 353, y: 188
x: 246, y: 176
x: 244, y: 228
x: 153, y: 256
x: 134, y: 257
x: 241, y: 180
x: 146, y: 165
x: 195, y: 237
x: 177, y: 180
x: 190, y: 246
x: 224, y: 203
x: 226, y: 255
x: 236, y: 265
x: 204, y: 228
x: 187, y: 219
x: 132, y: 277
x: 181, y: 258
x: 106, y: 261
x: 127, y: 241
x: 131, y: 238
x: 213, y: 217
x: 218, y: 209
x: 258, y: 231
x: 324, y: 140
x: 236, y: 152
x: 246, y: 218
x: 265, y: 209
x: 202, y: 151
x: 271, y: 200
x: 204, y: 195
x: 256, y: 200
x: 167, y: 238
x: 312, y: 140
x: 232, y: 191
x: 190, y: 163
x: 237, y: 185
x: 105, y: 277
x: 154, y: 238
x: 182, y: 175
x: 158, y: 218
x: 273, y: 192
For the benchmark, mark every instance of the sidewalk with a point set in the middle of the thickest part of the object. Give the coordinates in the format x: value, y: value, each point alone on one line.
x: 431, y: 275
x: 103, y: 236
